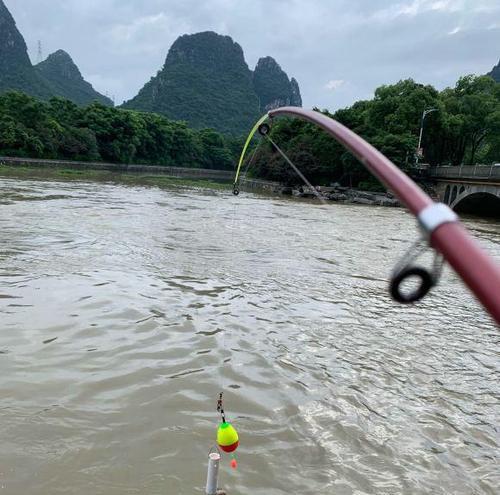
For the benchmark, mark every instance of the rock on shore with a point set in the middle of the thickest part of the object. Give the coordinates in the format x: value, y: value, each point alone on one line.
x: 348, y: 195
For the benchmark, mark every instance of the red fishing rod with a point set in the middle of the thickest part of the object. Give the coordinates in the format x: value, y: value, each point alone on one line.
x: 440, y: 224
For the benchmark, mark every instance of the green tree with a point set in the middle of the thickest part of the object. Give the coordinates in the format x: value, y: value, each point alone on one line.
x: 61, y: 129
x: 473, y: 108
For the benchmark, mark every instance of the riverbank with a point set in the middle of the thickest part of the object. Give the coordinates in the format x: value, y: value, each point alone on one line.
x: 342, y: 195
x: 347, y: 195
x: 335, y: 194
x: 23, y: 172
x: 156, y: 170
x: 157, y: 176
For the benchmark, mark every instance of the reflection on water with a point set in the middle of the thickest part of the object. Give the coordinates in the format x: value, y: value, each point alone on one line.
x: 124, y: 309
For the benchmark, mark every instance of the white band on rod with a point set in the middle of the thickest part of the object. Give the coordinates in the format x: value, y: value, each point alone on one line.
x: 435, y: 215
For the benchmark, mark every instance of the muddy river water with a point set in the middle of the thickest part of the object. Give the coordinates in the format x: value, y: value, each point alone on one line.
x: 125, y: 310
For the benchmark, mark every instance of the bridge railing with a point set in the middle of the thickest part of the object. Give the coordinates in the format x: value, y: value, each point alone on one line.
x: 477, y: 171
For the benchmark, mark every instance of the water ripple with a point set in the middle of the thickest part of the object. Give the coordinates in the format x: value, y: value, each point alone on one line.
x: 126, y: 309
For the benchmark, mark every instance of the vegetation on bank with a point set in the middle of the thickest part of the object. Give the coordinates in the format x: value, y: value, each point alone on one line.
x: 464, y: 129
x: 59, y: 129
x: 65, y: 174
x: 205, y: 81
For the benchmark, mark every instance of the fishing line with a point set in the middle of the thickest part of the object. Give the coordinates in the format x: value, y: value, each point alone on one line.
x: 236, y: 190
x: 232, y: 250
x: 295, y: 168
x: 232, y: 227
x: 264, y: 129
x: 250, y: 162
x: 227, y: 436
x: 245, y: 148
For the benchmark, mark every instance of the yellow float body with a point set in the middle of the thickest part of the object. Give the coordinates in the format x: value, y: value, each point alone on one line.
x: 227, y: 437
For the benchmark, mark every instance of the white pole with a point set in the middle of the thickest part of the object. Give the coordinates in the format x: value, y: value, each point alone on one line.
x: 424, y: 114
x: 420, y: 138
x: 213, y: 473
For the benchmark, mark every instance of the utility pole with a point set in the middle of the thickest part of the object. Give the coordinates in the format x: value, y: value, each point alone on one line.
x: 424, y: 114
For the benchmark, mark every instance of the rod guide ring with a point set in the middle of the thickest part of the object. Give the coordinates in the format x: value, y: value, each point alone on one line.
x: 427, y: 282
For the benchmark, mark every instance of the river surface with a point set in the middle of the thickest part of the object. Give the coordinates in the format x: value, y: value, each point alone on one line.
x: 124, y: 311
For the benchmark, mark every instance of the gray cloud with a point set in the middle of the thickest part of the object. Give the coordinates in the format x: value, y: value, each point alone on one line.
x: 120, y: 44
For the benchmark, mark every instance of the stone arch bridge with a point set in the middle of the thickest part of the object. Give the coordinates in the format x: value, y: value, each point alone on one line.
x: 469, y: 189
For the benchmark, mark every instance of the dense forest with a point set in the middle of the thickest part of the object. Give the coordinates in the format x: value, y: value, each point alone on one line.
x: 464, y: 129
x: 204, y: 82
x: 59, y: 129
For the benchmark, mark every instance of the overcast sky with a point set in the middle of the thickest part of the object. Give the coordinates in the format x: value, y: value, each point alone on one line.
x: 338, y: 50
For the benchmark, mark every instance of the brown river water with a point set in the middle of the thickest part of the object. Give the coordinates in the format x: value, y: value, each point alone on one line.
x: 125, y: 309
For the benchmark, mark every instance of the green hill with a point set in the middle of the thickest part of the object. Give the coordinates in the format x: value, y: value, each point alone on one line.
x: 206, y: 82
x: 16, y: 71
x: 66, y: 80
x: 495, y: 73
x: 56, y: 76
x: 273, y: 87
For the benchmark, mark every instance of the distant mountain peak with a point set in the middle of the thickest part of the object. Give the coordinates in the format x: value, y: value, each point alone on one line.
x: 268, y: 62
x: 273, y: 87
x: 296, y: 96
x: 16, y: 71
x: 191, y: 48
x: 67, y: 81
x: 58, y: 75
x: 13, y: 48
x: 495, y: 73
x: 62, y: 55
x: 60, y: 61
x: 206, y: 82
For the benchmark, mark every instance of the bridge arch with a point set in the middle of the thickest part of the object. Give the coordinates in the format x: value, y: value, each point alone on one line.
x: 474, y: 190
x: 447, y: 195
x: 478, y: 203
x: 454, y: 192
